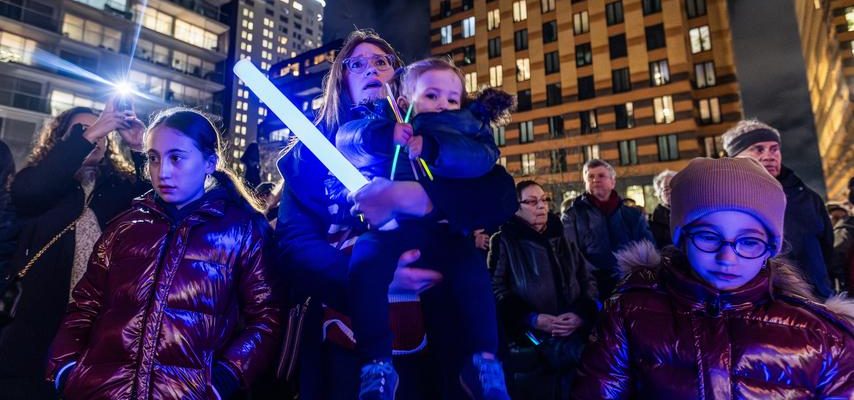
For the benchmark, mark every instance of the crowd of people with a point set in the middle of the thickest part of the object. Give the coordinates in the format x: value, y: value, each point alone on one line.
x: 134, y: 264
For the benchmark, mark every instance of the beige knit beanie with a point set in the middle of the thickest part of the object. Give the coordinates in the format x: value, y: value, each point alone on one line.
x: 736, y: 184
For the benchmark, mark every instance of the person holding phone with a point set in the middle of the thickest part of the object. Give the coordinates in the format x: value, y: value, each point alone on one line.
x: 75, y: 181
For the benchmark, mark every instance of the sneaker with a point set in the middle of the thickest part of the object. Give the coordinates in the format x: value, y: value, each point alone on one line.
x: 379, y: 381
x: 483, y: 379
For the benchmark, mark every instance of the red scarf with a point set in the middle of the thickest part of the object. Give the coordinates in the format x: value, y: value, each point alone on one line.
x: 607, y: 207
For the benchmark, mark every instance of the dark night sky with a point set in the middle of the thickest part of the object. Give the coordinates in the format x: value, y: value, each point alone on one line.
x: 405, y: 24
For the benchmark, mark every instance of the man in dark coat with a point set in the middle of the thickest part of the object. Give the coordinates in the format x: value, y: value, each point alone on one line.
x: 600, y: 225
x: 807, y: 230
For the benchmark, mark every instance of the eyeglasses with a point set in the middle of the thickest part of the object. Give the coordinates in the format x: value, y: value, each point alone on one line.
x: 745, y: 247
x: 534, y: 202
x: 357, y: 65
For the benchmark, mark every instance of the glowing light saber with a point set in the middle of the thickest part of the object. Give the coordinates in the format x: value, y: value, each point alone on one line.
x: 307, y: 133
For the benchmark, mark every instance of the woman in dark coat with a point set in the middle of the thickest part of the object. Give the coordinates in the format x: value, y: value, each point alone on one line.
x: 177, y: 302
x: 75, y: 178
x: 546, y: 298
x: 715, y: 316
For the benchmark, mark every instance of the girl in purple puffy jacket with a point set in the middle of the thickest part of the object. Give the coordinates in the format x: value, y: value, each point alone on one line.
x: 716, y: 315
x: 176, y: 301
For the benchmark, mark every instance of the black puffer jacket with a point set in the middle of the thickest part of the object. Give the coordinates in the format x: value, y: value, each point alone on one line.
x: 659, y: 224
x: 48, y: 198
x: 538, y: 273
x: 807, y: 232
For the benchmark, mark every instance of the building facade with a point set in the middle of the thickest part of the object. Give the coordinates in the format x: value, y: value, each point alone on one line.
x: 643, y: 84
x: 827, y: 41
x: 267, y: 32
x: 57, y: 54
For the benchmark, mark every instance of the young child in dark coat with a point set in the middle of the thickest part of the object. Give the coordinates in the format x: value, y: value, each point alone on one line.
x: 452, y: 135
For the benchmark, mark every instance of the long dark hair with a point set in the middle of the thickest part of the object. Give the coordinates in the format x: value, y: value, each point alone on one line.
x: 114, y: 161
x: 335, y: 97
x: 200, y: 128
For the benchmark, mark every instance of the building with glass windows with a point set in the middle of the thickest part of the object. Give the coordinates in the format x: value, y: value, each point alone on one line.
x: 827, y: 42
x: 53, y: 55
x: 643, y: 84
x: 265, y: 31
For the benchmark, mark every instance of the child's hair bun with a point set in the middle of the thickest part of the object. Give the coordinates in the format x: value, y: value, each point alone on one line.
x: 494, y: 105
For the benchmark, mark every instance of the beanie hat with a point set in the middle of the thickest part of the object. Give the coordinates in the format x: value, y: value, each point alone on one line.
x: 727, y: 184
x: 747, y: 133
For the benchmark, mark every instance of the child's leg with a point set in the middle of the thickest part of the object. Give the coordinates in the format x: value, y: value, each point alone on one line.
x: 372, y: 265
x: 465, y: 271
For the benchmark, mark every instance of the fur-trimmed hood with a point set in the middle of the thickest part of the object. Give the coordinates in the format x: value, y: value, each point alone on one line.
x: 785, y: 279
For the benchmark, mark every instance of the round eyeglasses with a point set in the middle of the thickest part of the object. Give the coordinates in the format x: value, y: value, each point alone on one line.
x: 357, y: 65
x: 745, y: 247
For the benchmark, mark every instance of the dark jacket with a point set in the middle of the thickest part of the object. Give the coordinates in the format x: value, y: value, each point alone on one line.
x: 842, y: 263
x: 659, y: 225
x: 600, y: 236
x: 163, y: 302
x: 807, y: 232
x: 536, y: 273
x: 47, y: 199
x: 457, y: 144
x: 664, y: 334
x: 8, y: 217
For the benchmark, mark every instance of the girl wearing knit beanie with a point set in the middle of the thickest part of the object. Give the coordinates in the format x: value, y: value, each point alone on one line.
x: 716, y: 315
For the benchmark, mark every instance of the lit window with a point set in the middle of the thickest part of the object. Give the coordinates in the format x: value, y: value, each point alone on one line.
x: 91, y: 33
x: 526, y: 132
x: 547, y: 5
x: 493, y: 19
x: 447, y: 34
x: 663, y: 109
x: 468, y: 27
x: 520, y: 10
x: 297, y: 6
x: 590, y: 152
x: 15, y: 48
x: 154, y: 19
x: 710, y: 111
x: 195, y: 35
x: 581, y: 22
x: 61, y: 101
x: 705, y: 74
x: 523, y: 69
x: 659, y: 73
x: 529, y: 164
x: 495, y: 76
x: 471, y: 82
x: 700, y: 40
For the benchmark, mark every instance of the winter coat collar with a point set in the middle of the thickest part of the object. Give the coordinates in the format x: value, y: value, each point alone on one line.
x: 517, y: 227
x: 212, y: 204
x: 642, y: 266
x: 587, y: 200
x: 789, y: 179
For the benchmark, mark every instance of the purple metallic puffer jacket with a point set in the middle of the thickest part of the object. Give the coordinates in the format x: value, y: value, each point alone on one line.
x: 160, y: 304
x: 664, y: 334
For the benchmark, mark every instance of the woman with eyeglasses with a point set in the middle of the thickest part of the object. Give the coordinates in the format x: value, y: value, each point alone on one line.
x: 309, y: 221
x: 545, y: 296
x: 716, y: 315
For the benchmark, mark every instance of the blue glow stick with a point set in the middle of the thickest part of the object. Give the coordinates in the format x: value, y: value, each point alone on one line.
x: 397, y: 147
x: 307, y: 133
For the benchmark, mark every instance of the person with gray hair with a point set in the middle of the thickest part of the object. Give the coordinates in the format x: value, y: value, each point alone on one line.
x: 659, y: 221
x: 600, y: 224
x: 808, y: 232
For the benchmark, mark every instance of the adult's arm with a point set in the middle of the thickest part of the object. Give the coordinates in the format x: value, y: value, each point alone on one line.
x: 38, y: 187
x: 254, y: 347
x: 86, y: 303
x: 605, y: 371
x: 587, y: 304
x: 514, y: 311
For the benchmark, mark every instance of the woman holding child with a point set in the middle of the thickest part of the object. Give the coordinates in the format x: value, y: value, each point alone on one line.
x: 309, y: 211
